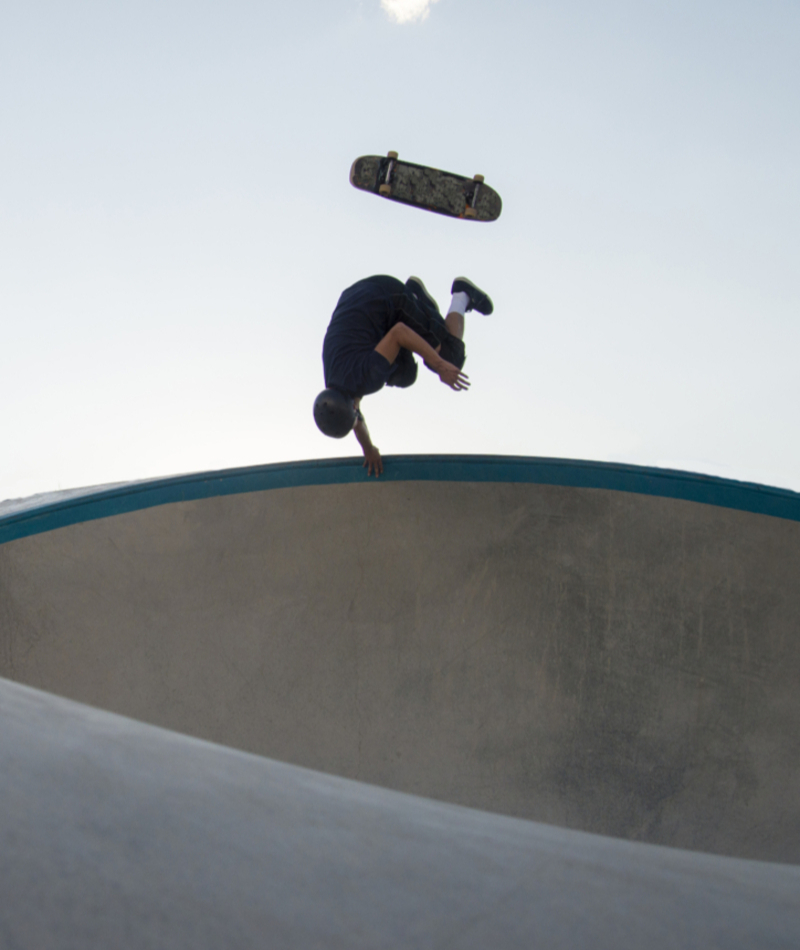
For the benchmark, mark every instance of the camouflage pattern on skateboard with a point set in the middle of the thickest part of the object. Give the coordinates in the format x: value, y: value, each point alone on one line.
x: 428, y: 188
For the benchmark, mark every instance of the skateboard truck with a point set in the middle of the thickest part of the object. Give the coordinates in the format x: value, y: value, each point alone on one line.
x: 472, y: 197
x: 385, y: 187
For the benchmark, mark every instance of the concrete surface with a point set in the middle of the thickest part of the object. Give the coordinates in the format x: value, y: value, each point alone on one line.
x: 598, y: 647
x: 116, y: 834
x: 603, y: 660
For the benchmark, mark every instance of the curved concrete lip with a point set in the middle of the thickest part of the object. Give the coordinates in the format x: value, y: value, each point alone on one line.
x: 116, y: 833
x: 20, y: 518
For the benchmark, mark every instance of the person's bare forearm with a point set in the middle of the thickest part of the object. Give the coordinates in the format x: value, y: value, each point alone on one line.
x: 411, y: 340
x: 372, y: 456
x: 361, y: 432
x: 449, y: 374
x: 402, y: 337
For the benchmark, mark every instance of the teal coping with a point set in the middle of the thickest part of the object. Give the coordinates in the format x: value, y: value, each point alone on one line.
x: 663, y: 483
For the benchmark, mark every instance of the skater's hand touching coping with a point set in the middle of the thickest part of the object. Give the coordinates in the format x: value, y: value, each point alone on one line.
x: 452, y: 375
x: 373, y: 462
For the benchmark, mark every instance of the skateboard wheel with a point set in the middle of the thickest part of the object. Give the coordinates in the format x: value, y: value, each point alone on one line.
x: 392, y: 155
x: 385, y: 190
x: 470, y: 213
x: 478, y: 178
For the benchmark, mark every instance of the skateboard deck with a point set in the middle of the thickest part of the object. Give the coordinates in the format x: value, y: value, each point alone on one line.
x: 428, y: 188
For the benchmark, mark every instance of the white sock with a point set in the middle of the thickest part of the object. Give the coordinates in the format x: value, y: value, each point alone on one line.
x: 459, y: 303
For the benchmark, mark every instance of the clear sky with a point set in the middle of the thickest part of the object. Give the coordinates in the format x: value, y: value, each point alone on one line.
x: 176, y: 225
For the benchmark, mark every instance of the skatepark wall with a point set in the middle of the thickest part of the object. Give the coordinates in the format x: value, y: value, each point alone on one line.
x: 605, y: 648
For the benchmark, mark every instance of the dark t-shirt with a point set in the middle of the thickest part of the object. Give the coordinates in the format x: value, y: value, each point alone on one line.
x: 363, y: 316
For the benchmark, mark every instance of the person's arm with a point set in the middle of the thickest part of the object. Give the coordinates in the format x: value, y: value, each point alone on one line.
x: 403, y: 336
x: 372, y: 456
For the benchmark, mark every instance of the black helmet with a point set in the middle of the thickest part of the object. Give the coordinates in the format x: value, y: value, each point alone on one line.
x: 334, y: 413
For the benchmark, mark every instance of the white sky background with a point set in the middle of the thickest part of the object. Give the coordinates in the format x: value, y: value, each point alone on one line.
x: 176, y: 224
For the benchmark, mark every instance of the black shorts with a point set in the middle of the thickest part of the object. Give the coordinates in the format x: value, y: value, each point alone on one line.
x: 425, y: 320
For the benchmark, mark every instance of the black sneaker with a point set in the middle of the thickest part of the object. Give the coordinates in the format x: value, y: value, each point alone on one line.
x: 478, y: 299
x: 420, y: 291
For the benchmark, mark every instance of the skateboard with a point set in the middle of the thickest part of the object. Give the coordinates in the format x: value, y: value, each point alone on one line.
x: 428, y: 188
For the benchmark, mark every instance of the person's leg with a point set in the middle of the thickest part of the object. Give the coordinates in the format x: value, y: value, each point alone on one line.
x: 415, y: 307
x: 467, y: 296
x: 420, y: 293
x: 418, y: 309
x: 454, y: 321
x: 444, y: 334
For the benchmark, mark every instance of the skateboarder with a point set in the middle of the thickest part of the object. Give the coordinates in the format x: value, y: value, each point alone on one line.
x: 377, y: 326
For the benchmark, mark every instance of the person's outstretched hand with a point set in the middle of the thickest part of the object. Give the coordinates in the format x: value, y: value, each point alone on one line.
x: 452, y: 376
x: 373, y: 462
